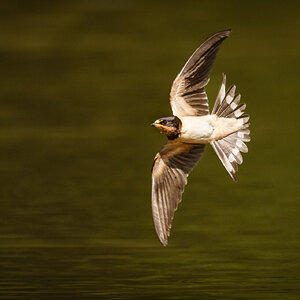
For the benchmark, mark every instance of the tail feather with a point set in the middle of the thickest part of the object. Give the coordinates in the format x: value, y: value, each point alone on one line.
x: 244, y: 135
x: 230, y: 147
x: 231, y: 168
x: 234, y: 154
x: 232, y: 106
x: 227, y: 100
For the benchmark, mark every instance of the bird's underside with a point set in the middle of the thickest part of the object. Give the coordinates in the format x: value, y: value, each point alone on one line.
x: 191, y: 128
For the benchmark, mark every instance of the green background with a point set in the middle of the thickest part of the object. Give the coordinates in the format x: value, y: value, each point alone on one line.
x: 80, y: 83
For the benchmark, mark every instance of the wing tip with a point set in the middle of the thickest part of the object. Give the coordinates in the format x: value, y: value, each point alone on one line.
x: 164, y: 242
x: 233, y: 177
x: 224, y: 33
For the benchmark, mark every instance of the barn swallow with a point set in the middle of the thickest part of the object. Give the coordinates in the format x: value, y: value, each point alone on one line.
x: 192, y: 127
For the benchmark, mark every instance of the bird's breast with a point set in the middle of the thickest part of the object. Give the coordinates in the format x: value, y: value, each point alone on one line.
x: 196, y: 129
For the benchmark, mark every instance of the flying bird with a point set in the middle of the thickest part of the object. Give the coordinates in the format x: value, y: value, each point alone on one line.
x: 192, y: 127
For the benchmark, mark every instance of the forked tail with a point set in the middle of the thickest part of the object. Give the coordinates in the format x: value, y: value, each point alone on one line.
x: 230, y: 147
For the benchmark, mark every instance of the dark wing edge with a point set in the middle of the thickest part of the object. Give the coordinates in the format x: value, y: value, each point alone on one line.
x: 170, y: 170
x: 188, y: 97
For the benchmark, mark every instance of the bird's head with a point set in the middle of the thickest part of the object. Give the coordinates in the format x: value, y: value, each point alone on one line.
x: 170, y: 126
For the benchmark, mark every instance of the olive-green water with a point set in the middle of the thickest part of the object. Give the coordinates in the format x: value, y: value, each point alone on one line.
x: 80, y: 83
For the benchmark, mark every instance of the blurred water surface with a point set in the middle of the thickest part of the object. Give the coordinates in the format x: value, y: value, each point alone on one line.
x: 80, y: 82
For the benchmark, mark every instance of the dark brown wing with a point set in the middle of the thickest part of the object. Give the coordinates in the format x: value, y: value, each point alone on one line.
x: 188, y: 97
x: 169, y: 176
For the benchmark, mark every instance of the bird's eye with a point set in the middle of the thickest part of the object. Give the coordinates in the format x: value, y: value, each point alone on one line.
x: 163, y: 122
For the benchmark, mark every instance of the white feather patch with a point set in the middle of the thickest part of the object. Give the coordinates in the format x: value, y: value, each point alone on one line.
x: 238, y: 113
x: 231, y: 158
x: 233, y: 106
x: 235, y: 151
x: 239, y: 143
x: 241, y: 134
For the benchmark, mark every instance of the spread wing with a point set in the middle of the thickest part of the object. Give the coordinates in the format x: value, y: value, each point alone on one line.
x: 170, y: 170
x: 188, y: 97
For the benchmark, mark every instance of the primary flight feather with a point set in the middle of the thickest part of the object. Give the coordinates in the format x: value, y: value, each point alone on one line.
x: 191, y: 127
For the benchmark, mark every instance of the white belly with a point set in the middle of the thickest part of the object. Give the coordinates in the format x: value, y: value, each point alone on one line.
x: 206, y: 129
x: 196, y: 129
